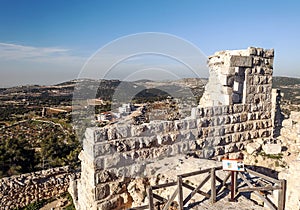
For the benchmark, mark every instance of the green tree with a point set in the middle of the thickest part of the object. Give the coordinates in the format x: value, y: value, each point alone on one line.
x: 16, y: 156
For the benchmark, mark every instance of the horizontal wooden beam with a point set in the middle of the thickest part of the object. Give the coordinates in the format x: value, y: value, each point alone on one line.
x: 262, y: 176
x: 169, y: 184
x: 200, y: 172
x: 250, y: 189
x: 140, y: 207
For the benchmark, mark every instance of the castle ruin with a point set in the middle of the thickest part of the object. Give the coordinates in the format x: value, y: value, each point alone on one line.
x: 236, y: 109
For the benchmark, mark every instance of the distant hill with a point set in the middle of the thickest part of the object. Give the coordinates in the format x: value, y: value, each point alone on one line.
x: 285, y: 81
x: 290, y: 87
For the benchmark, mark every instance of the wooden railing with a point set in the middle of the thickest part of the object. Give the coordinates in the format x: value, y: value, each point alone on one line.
x: 247, y: 178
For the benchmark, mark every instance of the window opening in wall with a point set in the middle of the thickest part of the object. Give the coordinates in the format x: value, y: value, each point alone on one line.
x: 238, y: 86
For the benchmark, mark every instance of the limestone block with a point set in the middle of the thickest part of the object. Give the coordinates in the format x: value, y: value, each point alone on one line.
x: 139, y: 130
x: 230, y: 148
x: 105, y: 176
x: 269, y: 53
x: 114, y: 203
x: 244, y: 117
x: 237, y: 127
x: 100, y: 134
x: 114, y: 161
x: 102, y: 191
x: 215, y: 141
x: 272, y: 148
x: 252, y: 51
x: 168, y: 126
x: 164, y: 139
x: 240, y: 146
x: 134, y: 143
x: 88, y: 147
x: 236, y: 137
x: 265, y: 133
x: 227, y: 120
x: 241, y: 61
x: 253, y: 147
x: 221, y: 120
x: 227, y: 70
x: 100, y: 163
x: 215, y: 60
x: 268, y: 71
x: 256, y: 61
x: 208, y: 111
x: 153, y: 128
x: 112, y: 133
x: 191, y: 124
x: 208, y: 152
x: 219, y: 151
x: 235, y: 119
x: 227, y: 91
x: 287, y: 123
x: 123, y: 131
x: 217, y: 110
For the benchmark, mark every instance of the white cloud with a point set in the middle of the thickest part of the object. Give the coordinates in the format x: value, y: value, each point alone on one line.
x: 37, y: 54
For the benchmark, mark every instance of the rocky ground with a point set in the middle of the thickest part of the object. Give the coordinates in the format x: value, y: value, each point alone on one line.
x: 224, y: 204
x: 166, y: 170
x: 283, y: 164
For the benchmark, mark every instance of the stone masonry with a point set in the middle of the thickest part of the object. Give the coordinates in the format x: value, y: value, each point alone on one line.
x: 234, y: 111
x: 21, y: 190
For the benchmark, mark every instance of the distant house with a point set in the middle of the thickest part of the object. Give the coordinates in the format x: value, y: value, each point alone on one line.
x: 106, y: 117
x: 125, y: 109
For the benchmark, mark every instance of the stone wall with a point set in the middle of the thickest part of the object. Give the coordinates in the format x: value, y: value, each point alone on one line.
x: 234, y: 110
x: 290, y: 138
x: 21, y: 190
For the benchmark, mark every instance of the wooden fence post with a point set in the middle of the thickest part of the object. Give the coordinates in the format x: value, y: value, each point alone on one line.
x: 180, y: 192
x: 213, y: 185
x: 150, y: 196
x: 281, y: 195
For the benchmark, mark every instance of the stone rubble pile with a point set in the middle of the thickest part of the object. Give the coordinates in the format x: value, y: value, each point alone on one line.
x: 21, y: 190
x: 290, y: 137
x: 290, y: 132
x: 291, y: 175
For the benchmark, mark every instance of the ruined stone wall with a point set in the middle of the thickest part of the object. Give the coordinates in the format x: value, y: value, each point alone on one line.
x: 235, y: 110
x: 21, y: 190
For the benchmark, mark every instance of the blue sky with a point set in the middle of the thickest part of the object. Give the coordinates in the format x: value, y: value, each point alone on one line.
x: 46, y: 42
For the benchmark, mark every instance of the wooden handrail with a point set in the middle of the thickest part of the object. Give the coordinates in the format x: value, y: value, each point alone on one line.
x: 279, y: 185
x: 262, y: 176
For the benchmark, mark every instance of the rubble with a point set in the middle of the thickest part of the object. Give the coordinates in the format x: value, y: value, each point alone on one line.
x: 21, y: 190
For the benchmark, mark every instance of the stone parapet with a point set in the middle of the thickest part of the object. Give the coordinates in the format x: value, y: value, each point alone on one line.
x: 236, y: 109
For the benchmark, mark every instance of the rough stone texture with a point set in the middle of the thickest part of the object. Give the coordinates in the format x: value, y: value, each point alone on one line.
x: 21, y: 190
x: 290, y: 132
x: 291, y: 175
x: 236, y: 109
x: 272, y: 149
x: 252, y: 147
x: 290, y: 138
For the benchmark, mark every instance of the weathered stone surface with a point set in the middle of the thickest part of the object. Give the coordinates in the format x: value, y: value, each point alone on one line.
x: 21, y: 190
x: 272, y: 148
x: 241, y: 61
x: 253, y: 147
x: 235, y: 109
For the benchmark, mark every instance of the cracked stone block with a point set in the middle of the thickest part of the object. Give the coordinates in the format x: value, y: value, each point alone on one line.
x: 241, y: 61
